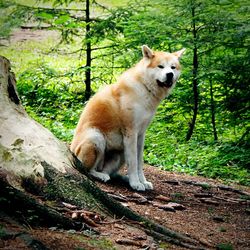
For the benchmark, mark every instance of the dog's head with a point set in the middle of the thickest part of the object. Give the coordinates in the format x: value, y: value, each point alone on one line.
x: 161, y: 68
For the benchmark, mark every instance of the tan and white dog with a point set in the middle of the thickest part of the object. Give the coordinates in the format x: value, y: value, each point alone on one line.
x: 112, y: 126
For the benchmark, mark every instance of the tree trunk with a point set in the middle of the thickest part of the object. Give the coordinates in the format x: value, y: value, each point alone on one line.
x: 213, y: 110
x: 33, y: 161
x: 195, y: 80
x: 88, y: 54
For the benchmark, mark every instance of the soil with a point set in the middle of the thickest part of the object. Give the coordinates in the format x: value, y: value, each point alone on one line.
x: 194, y: 206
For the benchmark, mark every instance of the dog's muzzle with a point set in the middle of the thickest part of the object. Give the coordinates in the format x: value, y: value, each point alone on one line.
x: 168, y: 82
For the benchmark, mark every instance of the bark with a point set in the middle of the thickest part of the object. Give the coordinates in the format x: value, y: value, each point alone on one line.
x: 213, y: 110
x: 38, y: 214
x: 195, y: 80
x: 34, y: 162
x: 88, y: 54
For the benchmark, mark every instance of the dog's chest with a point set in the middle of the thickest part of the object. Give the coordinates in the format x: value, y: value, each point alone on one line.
x: 142, y: 117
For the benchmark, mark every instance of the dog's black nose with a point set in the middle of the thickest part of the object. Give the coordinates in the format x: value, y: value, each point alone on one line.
x: 170, y: 76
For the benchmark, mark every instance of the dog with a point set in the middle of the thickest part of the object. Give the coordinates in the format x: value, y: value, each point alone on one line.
x: 112, y: 126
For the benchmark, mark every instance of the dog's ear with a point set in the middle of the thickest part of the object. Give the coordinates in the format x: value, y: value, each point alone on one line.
x: 147, y: 52
x: 179, y: 53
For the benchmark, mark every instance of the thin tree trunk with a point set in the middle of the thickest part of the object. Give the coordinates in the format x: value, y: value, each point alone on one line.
x: 213, y: 110
x: 195, y: 81
x: 88, y: 54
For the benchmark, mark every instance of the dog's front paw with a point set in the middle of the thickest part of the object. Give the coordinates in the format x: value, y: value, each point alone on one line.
x: 148, y: 185
x: 137, y: 186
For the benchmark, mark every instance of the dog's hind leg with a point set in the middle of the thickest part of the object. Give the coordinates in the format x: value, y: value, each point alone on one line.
x: 99, y: 175
x: 113, y: 162
x: 91, y: 152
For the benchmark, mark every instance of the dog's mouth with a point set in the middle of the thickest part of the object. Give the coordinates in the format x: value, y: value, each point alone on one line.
x: 167, y: 84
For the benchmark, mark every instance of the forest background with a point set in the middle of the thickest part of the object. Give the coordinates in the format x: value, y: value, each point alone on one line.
x: 202, y: 128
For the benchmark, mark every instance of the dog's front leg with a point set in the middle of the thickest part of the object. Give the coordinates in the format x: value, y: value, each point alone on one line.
x: 130, y: 148
x: 140, y: 146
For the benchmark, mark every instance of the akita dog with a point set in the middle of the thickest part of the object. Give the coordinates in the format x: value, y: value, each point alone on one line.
x: 112, y: 126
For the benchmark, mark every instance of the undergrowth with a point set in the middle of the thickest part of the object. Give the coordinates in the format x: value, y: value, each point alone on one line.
x: 225, y: 159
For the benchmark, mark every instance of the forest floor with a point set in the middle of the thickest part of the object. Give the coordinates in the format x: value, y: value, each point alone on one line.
x: 215, y: 214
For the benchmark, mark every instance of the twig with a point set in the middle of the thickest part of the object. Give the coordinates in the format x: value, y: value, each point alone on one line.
x: 171, y: 240
x: 129, y: 242
x: 221, y: 187
x: 118, y: 197
x: 113, y: 221
x: 87, y: 220
x: 229, y: 200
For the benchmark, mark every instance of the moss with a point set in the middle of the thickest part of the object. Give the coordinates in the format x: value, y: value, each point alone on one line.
x: 5, y: 154
x: 97, y: 242
x: 72, y: 188
x: 163, y: 245
x: 206, y: 186
x: 224, y: 246
x: 2, y: 232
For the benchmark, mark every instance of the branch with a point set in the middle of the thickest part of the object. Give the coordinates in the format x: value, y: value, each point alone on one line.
x: 105, y: 47
x: 35, y: 27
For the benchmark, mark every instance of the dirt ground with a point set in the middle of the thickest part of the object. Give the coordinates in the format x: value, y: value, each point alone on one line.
x: 217, y: 215
x: 23, y: 35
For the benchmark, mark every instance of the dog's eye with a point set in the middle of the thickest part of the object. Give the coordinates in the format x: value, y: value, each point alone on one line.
x: 173, y: 67
x: 161, y: 66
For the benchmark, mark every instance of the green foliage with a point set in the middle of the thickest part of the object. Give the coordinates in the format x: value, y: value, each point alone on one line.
x: 224, y: 160
x: 51, y: 100
x: 97, y: 243
x: 164, y: 147
x: 52, y: 89
x: 2, y: 232
x: 224, y: 246
x: 11, y: 16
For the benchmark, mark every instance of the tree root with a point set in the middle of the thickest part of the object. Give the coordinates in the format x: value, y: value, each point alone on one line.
x: 74, y: 181
x: 26, y: 209
x: 30, y: 241
x: 221, y: 187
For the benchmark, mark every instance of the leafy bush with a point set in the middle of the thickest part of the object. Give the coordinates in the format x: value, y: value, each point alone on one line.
x: 51, y: 101
x: 165, y: 148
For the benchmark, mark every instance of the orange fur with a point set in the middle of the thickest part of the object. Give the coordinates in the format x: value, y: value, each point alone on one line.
x: 87, y: 154
x: 160, y: 57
